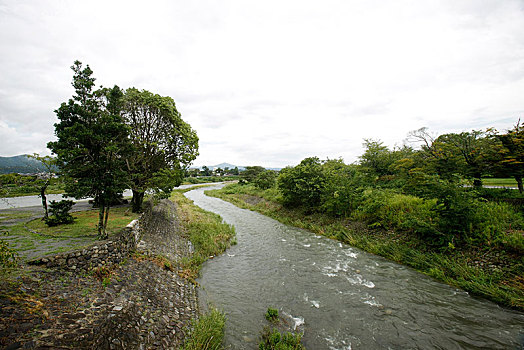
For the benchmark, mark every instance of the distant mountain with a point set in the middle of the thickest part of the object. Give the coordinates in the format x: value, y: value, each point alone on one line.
x: 226, y: 165
x: 221, y: 166
x: 20, y: 164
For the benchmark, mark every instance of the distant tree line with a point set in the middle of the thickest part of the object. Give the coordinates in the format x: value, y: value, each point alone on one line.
x: 206, y: 171
x: 109, y: 139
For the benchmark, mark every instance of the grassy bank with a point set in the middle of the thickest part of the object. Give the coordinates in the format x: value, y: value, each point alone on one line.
x: 210, y: 236
x: 485, y: 271
x: 207, y: 231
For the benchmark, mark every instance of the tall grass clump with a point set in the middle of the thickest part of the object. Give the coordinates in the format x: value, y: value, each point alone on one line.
x: 499, y: 223
x: 274, y: 340
x: 388, y: 209
x: 207, y: 332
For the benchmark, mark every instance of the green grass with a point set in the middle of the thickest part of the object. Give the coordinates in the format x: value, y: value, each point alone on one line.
x: 271, y: 315
x: 508, y: 182
x: 14, y: 214
x: 35, y: 236
x: 207, y: 332
x: 274, y: 340
x: 450, y: 265
x: 85, y: 224
x: 207, y: 232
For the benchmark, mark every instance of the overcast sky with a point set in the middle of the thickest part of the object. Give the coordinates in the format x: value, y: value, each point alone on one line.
x: 271, y: 82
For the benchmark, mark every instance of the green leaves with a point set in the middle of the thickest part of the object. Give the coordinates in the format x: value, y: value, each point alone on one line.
x: 163, y: 144
x: 92, y: 142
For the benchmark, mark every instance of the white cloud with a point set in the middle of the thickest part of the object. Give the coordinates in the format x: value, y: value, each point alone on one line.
x: 271, y: 82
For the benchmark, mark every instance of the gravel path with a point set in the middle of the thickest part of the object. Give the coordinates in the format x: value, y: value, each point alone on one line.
x: 141, y: 304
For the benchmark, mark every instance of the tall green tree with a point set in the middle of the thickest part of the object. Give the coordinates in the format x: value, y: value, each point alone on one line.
x: 376, y: 157
x: 472, y: 151
x: 512, y: 153
x: 162, y: 143
x: 379, y: 160
x: 303, y: 184
x: 251, y: 173
x: 49, y: 163
x: 92, y: 143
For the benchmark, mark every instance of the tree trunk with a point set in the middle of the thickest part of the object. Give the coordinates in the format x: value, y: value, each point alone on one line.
x: 136, y: 201
x: 44, y: 199
x: 519, y: 183
x: 101, y: 227
x: 105, y: 220
x: 477, y: 181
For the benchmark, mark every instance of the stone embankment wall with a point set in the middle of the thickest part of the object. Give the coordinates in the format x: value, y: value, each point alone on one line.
x: 99, y: 254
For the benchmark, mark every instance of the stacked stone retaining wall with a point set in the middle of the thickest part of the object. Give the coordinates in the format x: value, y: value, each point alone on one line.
x: 99, y: 254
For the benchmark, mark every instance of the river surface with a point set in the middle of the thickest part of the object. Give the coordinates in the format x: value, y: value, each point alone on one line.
x: 339, y: 296
x: 32, y: 201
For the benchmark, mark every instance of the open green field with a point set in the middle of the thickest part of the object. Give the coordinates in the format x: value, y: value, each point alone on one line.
x: 508, y: 182
x: 32, y: 238
x: 85, y: 223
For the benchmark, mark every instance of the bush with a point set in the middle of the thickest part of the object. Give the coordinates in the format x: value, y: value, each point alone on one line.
x: 493, y: 221
x: 302, y: 185
x: 456, y: 207
x: 266, y: 179
x: 274, y: 340
x: 60, y: 213
x: 513, y: 240
x: 392, y: 210
x: 250, y: 174
x: 272, y: 315
x: 343, y: 188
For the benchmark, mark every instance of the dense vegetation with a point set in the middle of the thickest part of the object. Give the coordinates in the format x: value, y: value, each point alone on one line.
x: 208, y: 179
x: 424, y: 207
x: 14, y: 185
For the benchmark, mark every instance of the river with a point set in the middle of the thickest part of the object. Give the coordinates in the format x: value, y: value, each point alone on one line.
x: 339, y: 296
x: 32, y: 201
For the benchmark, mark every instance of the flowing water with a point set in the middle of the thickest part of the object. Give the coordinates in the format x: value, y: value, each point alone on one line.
x: 339, y: 296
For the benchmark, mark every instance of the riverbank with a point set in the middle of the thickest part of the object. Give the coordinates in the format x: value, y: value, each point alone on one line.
x: 483, y: 271
x: 146, y: 301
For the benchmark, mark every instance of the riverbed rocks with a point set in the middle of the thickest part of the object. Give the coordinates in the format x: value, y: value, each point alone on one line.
x: 137, y: 304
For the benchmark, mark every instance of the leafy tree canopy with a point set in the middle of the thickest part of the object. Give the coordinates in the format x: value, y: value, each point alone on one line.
x: 92, y: 142
x: 162, y: 143
x: 511, y: 153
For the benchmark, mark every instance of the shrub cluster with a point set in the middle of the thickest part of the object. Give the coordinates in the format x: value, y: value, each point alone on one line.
x: 440, y: 211
x: 60, y: 213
